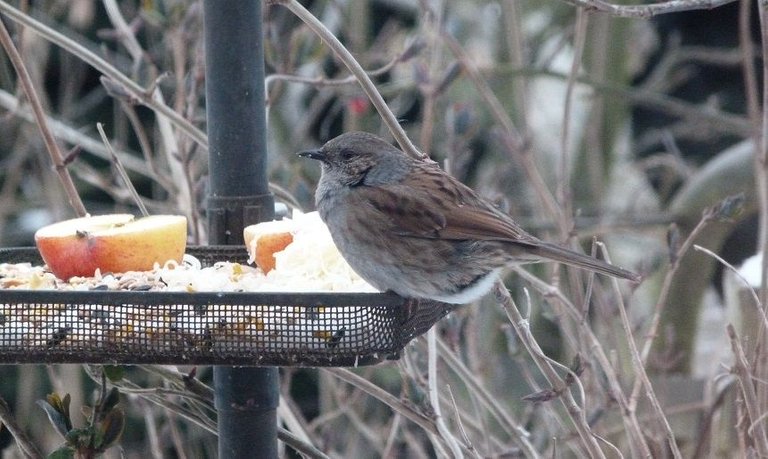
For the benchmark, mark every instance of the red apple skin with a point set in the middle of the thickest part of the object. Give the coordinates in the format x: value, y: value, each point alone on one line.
x: 80, y: 246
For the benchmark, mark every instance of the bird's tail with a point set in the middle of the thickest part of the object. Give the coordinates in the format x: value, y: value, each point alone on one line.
x: 569, y: 257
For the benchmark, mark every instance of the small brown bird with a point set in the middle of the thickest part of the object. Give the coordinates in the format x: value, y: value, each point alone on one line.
x: 405, y: 225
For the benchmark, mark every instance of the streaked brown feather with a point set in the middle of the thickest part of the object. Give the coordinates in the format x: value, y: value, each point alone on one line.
x: 456, y: 214
x: 467, y: 222
x: 459, y: 214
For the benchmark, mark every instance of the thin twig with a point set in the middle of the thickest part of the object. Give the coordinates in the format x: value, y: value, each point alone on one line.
x: 385, y: 397
x: 460, y: 425
x: 517, y: 47
x: 434, y: 396
x: 321, y: 81
x: 305, y: 449
x: 176, y: 437
x: 357, y: 70
x: 73, y: 136
x: 144, y: 142
x: 661, y: 302
x: 511, y: 135
x: 576, y: 413
x: 756, y: 116
x: 629, y: 413
x: 394, y: 433
x: 564, y: 194
x: 26, y: 445
x: 432, y: 23
x: 87, y: 56
x: 179, y: 167
x: 150, y: 426
x: 646, y: 11
x: 124, y: 32
x: 294, y: 422
x: 123, y: 174
x: 741, y: 368
x: 638, y: 365
x: 761, y: 182
x: 758, y: 304
x: 57, y: 158
x: 704, y: 117
x: 202, y: 395
x: 749, y: 72
x: 504, y: 419
x: 676, y: 256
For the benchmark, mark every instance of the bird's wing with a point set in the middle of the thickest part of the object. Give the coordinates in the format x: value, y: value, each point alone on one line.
x: 453, y: 211
x: 469, y: 222
x: 402, y: 211
x: 446, y: 209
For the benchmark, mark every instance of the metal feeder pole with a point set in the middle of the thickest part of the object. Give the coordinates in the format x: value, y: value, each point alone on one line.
x: 246, y: 398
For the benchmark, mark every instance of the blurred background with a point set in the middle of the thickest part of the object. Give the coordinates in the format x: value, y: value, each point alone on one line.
x: 581, y: 124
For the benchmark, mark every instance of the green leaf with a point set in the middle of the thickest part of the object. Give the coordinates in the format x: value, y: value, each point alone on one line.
x: 59, y: 421
x: 112, y: 428
x: 64, y: 452
x: 54, y: 400
x: 79, y: 438
x: 65, y: 410
x: 111, y: 400
x: 114, y: 372
x: 96, y: 441
x: 61, y: 406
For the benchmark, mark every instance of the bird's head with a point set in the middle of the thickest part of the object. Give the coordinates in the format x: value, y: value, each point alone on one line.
x: 359, y: 158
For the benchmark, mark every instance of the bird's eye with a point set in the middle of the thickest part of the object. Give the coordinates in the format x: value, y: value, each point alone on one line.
x: 346, y: 155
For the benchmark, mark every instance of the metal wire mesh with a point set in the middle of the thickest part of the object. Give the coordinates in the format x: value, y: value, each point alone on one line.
x: 213, y: 328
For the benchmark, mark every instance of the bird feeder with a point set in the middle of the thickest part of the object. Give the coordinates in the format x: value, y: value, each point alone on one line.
x: 205, y: 328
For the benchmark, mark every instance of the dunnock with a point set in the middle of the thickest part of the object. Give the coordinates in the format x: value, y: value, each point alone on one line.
x: 407, y: 226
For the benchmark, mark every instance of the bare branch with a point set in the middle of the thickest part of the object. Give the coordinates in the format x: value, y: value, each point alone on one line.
x: 57, y: 158
x: 646, y: 11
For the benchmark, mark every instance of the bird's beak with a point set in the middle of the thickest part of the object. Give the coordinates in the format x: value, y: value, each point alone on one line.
x: 313, y: 154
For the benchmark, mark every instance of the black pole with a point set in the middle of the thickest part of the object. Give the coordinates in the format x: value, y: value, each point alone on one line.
x: 246, y: 397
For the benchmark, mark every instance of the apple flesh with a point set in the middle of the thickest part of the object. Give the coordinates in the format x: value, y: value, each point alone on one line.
x: 112, y: 243
x: 264, y: 240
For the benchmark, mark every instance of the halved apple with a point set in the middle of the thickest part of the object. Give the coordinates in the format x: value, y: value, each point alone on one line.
x: 264, y: 239
x: 112, y: 243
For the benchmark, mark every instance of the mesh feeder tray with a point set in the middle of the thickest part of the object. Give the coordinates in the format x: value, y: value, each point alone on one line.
x: 206, y: 328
